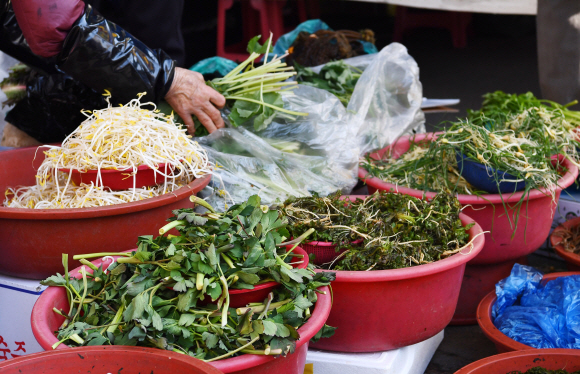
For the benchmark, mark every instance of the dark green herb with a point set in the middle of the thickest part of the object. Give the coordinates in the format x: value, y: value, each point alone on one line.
x: 159, y: 295
x: 396, y: 230
x: 335, y: 77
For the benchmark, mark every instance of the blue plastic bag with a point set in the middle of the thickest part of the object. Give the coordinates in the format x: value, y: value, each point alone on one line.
x: 541, y: 316
x: 214, y: 65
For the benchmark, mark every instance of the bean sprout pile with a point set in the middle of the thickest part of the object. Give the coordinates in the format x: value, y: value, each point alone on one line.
x: 120, y: 138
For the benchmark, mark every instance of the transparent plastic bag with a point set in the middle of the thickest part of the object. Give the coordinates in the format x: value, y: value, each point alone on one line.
x: 541, y: 316
x: 313, y: 154
x: 318, y: 153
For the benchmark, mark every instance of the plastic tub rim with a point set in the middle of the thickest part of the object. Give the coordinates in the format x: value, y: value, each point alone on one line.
x: 198, y: 364
x: 105, y: 211
x: 480, y: 364
x: 570, y: 257
x: 486, y: 324
x: 307, y: 331
x: 420, y: 270
x: 484, y: 199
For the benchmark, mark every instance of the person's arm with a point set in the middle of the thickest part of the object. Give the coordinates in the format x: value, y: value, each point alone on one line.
x: 104, y: 56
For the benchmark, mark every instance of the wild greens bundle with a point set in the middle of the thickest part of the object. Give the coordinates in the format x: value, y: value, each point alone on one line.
x: 173, y: 291
x: 523, y: 146
x: 396, y: 230
x: 498, y: 106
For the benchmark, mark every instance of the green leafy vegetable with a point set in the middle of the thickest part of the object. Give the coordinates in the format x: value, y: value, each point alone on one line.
x: 173, y: 292
x: 335, y: 77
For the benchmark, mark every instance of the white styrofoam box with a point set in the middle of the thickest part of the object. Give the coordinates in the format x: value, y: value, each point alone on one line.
x: 412, y: 359
x: 17, y: 297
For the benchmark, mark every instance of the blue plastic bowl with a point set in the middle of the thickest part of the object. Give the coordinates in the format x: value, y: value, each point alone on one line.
x: 478, y: 176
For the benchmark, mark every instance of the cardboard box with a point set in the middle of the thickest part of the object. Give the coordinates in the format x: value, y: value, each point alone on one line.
x: 412, y: 359
x: 17, y: 297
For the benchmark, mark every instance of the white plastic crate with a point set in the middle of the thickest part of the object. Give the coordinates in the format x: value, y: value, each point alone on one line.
x: 17, y: 297
x: 412, y: 359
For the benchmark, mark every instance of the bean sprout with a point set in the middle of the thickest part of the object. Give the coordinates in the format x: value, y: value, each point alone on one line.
x: 119, y: 138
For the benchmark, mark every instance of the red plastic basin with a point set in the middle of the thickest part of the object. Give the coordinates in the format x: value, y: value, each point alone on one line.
x: 501, y: 341
x: 551, y: 359
x: 118, y: 180
x: 488, y: 210
x: 572, y: 259
x: 111, y: 359
x: 32, y: 240
x: 44, y: 322
x: 379, y: 310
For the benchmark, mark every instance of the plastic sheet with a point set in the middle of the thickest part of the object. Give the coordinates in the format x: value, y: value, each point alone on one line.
x: 541, y: 316
x: 319, y: 153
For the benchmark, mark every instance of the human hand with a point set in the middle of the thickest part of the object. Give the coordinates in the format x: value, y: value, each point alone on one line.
x: 189, y: 95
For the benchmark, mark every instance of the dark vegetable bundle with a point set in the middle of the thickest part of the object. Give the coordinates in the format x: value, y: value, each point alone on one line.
x: 326, y: 45
x: 541, y: 370
x: 397, y: 230
x: 335, y: 77
x: 159, y: 295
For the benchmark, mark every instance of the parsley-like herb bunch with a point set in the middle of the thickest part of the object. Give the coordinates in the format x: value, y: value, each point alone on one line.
x: 397, y: 230
x: 173, y: 291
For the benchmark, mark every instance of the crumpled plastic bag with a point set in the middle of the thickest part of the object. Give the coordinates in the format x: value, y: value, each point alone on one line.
x: 536, y: 314
x: 318, y: 153
x: 313, y: 154
x: 386, y: 102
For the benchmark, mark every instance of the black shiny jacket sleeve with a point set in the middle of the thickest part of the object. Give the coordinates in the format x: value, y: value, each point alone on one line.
x: 103, y: 56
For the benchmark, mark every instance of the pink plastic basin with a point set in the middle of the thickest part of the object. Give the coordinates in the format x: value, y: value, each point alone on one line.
x: 118, y: 180
x: 379, y: 310
x: 502, y: 342
x: 111, y: 359
x: 44, y: 322
x: 32, y: 240
x: 551, y: 359
x: 488, y: 211
x: 572, y: 259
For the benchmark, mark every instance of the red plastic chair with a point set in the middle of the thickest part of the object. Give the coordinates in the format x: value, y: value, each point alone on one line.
x: 259, y: 17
